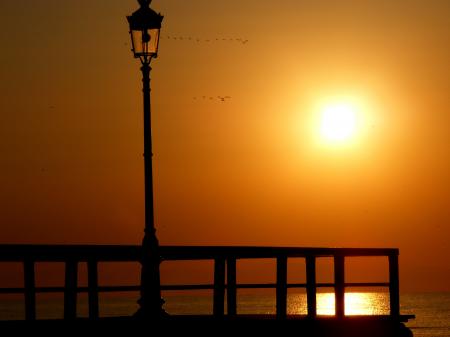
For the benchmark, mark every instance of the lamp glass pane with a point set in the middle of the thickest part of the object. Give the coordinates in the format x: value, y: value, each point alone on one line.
x: 145, y: 48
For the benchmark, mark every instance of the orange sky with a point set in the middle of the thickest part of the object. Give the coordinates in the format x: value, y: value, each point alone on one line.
x: 247, y: 171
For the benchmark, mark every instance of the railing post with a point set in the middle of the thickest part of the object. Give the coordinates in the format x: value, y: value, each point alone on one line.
x: 70, y: 290
x: 219, y: 287
x: 30, y: 290
x: 394, y: 289
x: 93, y: 289
x: 231, y: 287
x: 311, y: 287
x: 281, y: 286
x: 339, y: 285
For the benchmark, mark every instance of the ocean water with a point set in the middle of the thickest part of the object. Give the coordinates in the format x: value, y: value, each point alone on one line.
x: 432, y: 310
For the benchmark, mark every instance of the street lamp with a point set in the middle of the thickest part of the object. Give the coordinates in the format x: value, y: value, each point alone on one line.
x: 145, y: 25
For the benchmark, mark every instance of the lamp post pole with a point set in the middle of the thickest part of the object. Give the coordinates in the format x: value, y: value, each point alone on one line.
x: 150, y: 301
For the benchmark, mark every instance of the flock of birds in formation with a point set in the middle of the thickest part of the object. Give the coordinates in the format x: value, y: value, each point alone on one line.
x: 212, y: 98
x: 221, y: 99
x: 196, y: 39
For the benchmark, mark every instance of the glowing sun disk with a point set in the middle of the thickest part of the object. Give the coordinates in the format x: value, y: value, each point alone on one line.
x: 338, y: 122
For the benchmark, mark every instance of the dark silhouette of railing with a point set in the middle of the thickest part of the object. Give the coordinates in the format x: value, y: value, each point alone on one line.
x: 224, y: 269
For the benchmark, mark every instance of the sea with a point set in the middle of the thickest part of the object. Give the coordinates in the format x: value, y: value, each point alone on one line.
x: 432, y: 310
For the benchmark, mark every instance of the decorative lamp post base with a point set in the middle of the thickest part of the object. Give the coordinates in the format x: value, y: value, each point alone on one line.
x: 150, y: 303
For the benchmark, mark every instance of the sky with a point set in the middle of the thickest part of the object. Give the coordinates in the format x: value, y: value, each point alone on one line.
x: 249, y: 170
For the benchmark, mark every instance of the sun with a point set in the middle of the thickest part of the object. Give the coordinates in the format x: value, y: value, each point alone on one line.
x: 338, y: 122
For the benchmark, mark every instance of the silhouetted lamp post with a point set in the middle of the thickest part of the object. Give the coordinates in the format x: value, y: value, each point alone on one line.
x: 145, y: 25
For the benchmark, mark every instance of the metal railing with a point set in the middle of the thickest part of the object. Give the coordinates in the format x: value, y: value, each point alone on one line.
x: 224, y: 258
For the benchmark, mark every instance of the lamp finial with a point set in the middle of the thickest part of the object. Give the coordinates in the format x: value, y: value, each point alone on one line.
x: 144, y: 3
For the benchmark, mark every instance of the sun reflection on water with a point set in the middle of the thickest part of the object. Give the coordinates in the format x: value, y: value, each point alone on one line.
x: 356, y: 303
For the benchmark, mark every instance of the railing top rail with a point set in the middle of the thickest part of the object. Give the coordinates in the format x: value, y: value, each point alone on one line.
x: 179, y: 252
x: 61, y: 253
x: 118, y: 253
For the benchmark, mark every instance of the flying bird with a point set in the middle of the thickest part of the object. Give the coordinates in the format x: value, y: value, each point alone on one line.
x: 223, y: 98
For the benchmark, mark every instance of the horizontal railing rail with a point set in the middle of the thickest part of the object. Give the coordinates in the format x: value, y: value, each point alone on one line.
x: 224, y: 258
